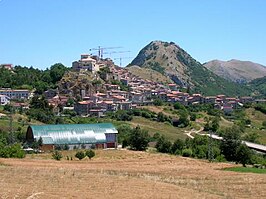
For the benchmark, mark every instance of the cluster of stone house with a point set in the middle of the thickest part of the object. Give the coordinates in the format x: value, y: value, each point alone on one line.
x: 140, y: 92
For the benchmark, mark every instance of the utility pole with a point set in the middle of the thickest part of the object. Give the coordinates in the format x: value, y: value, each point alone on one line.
x: 210, y: 149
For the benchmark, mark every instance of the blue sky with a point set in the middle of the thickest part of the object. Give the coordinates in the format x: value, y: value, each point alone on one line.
x: 40, y: 33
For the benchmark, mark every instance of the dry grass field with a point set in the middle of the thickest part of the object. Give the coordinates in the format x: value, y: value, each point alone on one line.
x: 125, y: 174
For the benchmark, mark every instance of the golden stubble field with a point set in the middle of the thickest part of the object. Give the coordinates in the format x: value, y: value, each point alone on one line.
x: 125, y: 174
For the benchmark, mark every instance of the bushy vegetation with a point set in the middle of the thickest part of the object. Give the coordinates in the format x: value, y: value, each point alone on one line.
x: 80, y: 155
x: 90, y: 153
x: 29, y: 78
x: 40, y: 110
x: 203, y: 147
x: 9, y: 147
x: 136, y: 138
x: 57, y: 155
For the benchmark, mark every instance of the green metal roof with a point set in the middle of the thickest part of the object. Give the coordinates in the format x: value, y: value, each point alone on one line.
x: 72, y: 133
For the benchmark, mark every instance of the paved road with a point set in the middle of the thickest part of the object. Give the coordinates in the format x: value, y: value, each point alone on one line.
x: 257, y: 147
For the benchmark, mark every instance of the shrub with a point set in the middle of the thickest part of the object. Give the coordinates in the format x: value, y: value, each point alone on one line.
x: 186, y: 152
x: 80, y: 155
x: 90, y: 153
x: 57, y: 155
x: 220, y: 158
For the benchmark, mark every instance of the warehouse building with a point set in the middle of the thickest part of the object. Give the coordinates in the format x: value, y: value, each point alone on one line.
x: 100, y: 135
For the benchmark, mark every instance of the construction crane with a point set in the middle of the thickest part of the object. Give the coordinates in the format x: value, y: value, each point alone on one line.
x: 121, y: 58
x: 101, y: 50
x: 114, y: 52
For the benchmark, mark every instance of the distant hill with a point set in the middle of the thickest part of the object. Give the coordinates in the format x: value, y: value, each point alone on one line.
x: 172, y: 61
x: 236, y: 70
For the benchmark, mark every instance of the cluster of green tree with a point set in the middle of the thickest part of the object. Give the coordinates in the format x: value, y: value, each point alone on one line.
x: 127, y: 115
x: 10, y: 150
x: 41, y: 110
x: 136, y: 138
x: 197, y: 147
x: 203, y: 147
x: 29, y: 78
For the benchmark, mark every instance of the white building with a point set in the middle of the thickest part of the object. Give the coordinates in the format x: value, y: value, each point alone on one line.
x: 86, y: 62
x: 15, y: 94
x: 4, y: 99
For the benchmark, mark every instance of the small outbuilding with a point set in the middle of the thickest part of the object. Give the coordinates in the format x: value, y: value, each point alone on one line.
x: 99, y: 135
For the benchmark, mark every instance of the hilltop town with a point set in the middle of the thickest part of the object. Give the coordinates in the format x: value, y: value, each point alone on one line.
x: 118, y: 89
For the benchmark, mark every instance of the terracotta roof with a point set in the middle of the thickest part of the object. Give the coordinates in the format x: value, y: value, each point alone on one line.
x: 85, y: 102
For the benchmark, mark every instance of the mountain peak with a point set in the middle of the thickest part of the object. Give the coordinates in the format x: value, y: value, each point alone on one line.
x: 172, y: 61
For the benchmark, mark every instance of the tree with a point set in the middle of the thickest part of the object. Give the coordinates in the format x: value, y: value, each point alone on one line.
x: 193, y: 116
x: 138, y: 139
x: 177, y: 147
x: 179, y: 106
x: 90, y: 153
x: 40, y: 142
x: 163, y: 145
x: 80, y: 155
x: 214, y: 126
x: 57, y: 155
x: 231, y: 141
x: 183, y: 120
x: 57, y: 71
x: 123, y: 134
x: 158, y: 102
x: 243, y: 154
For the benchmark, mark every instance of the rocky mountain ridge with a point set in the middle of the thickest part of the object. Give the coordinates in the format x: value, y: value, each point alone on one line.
x: 236, y: 70
x: 172, y: 61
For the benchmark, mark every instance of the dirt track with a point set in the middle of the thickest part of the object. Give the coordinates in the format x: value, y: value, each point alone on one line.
x: 125, y: 174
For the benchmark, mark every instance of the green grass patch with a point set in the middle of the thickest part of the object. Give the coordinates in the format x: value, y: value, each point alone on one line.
x: 246, y: 170
x: 169, y: 131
